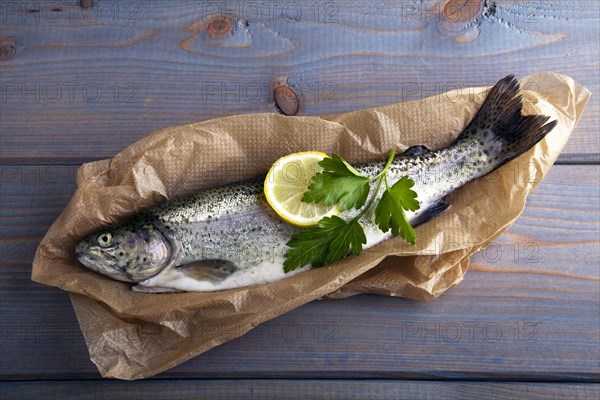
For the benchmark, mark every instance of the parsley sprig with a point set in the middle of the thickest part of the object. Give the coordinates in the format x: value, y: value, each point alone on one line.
x: 334, y: 237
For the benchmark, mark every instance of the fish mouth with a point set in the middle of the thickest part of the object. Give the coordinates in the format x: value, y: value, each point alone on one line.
x: 86, y: 260
x: 94, y: 263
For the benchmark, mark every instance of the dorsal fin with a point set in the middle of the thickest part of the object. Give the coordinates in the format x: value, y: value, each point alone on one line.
x: 416, y: 151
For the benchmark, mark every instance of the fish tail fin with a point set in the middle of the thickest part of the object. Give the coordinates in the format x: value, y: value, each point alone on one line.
x: 499, y: 128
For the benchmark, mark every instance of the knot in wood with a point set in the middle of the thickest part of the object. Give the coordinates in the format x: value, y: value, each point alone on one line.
x: 286, y: 100
x: 219, y: 26
x: 462, y: 11
x: 8, y: 48
x: 86, y: 3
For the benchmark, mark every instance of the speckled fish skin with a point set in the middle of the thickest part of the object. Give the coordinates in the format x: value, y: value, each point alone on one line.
x: 234, y: 236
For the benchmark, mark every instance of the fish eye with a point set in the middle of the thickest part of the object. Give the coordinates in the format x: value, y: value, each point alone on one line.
x: 105, y: 239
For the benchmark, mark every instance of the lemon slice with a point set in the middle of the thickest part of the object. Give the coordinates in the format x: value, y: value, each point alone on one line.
x: 286, y: 183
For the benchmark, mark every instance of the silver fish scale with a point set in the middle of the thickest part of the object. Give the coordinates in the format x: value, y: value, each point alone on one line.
x: 231, y: 223
x: 235, y: 223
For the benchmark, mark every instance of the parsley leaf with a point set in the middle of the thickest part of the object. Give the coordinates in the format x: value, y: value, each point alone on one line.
x: 407, y: 197
x: 390, y: 213
x: 339, y: 183
x: 337, y: 165
x: 345, y: 191
x: 333, y: 239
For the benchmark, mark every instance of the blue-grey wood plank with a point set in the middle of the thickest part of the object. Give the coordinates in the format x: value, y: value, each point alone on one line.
x: 294, y: 389
x: 84, y: 83
x: 529, y: 308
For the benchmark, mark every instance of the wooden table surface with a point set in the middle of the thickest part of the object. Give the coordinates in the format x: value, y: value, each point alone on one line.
x: 80, y: 82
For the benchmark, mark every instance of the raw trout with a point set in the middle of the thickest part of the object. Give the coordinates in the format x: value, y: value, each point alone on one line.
x: 229, y: 237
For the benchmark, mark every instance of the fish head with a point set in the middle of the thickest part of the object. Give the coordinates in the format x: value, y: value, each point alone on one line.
x: 130, y: 252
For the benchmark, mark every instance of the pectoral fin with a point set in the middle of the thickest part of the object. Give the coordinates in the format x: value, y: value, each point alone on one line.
x: 430, y: 213
x: 153, y: 289
x: 208, y: 270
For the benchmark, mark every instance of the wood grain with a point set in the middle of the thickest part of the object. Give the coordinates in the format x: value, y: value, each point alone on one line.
x: 293, y: 389
x: 81, y: 84
x: 529, y: 308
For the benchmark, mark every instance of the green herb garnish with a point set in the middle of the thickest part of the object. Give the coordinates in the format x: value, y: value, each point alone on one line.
x: 334, y: 238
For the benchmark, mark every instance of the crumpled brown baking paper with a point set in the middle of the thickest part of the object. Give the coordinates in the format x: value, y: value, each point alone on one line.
x: 134, y: 335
